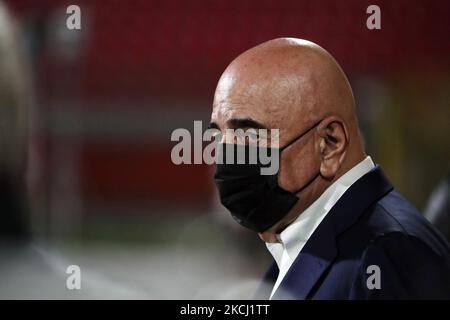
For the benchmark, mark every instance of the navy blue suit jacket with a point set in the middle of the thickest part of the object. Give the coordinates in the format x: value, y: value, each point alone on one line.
x: 371, y: 224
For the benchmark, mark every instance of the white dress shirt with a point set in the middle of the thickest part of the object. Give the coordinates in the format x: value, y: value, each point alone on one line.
x: 292, y: 239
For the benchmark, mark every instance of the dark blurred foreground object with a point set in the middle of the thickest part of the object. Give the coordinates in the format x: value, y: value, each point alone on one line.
x: 14, y: 231
x: 14, y: 225
x: 438, y: 208
x: 24, y: 271
x: 13, y: 111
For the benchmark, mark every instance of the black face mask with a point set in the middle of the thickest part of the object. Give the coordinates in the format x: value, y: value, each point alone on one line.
x: 254, y: 200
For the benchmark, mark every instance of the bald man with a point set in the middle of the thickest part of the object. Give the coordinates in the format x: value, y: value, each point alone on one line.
x: 332, y: 221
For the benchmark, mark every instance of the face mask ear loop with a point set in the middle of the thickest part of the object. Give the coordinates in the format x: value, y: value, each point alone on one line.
x: 300, y: 135
x: 292, y: 142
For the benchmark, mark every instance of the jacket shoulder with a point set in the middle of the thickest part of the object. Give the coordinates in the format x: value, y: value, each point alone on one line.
x: 394, y: 214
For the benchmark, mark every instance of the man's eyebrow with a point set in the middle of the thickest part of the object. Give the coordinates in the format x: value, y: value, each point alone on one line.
x: 236, y: 123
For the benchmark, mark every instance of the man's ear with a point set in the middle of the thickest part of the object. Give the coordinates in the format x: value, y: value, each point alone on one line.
x: 332, y: 146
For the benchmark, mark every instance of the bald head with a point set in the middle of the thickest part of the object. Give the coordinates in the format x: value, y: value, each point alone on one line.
x: 293, y: 80
x: 290, y: 84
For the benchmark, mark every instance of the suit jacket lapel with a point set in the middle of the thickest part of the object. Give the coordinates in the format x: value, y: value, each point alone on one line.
x: 318, y: 253
x: 320, y: 250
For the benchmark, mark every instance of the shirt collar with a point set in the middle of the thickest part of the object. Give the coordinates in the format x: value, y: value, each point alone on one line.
x: 292, y: 238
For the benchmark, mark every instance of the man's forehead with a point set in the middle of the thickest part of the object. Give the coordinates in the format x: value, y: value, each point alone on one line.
x: 225, y: 111
x: 237, y: 90
x: 267, y: 113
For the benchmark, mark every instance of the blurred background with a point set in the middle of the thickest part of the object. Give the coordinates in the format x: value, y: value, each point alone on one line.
x: 94, y: 109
